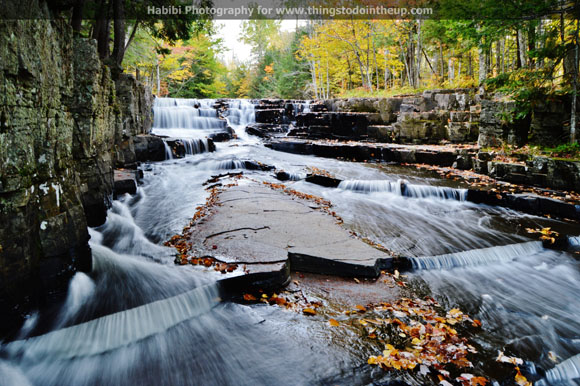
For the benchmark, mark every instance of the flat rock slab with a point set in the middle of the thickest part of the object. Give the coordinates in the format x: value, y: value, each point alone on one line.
x: 125, y: 181
x: 256, y: 225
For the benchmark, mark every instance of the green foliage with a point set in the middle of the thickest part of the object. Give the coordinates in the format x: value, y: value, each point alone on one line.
x: 194, y: 69
x: 276, y: 72
x: 567, y: 151
x: 527, y: 87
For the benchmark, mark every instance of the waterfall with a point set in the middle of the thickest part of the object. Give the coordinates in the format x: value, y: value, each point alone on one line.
x: 168, y: 152
x: 232, y: 164
x: 176, y: 117
x: 118, y: 329
x: 403, y: 188
x: 195, y: 146
x: 301, y: 107
x: 476, y: 257
x: 240, y: 112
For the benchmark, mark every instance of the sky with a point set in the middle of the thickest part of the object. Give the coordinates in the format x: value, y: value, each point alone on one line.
x: 229, y: 31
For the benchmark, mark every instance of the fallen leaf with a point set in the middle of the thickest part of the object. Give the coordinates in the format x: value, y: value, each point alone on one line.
x: 249, y: 297
x: 520, y: 379
x: 478, y: 381
x: 309, y: 311
x: 333, y: 322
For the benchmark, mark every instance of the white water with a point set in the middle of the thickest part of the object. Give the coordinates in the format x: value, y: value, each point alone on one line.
x: 476, y: 257
x: 185, y: 114
x: 168, y: 152
x: 403, y: 188
x: 139, y: 319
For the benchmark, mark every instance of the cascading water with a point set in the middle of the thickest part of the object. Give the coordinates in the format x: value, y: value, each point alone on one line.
x: 181, y: 116
x: 240, y: 112
x: 476, y: 257
x: 403, y: 188
x: 139, y: 319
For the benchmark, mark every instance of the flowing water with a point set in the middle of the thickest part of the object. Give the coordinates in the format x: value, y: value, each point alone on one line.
x: 139, y: 319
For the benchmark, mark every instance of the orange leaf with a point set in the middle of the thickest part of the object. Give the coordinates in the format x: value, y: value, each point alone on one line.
x: 333, y: 322
x: 309, y: 311
x: 478, y: 381
x: 360, y: 308
x: 280, y: 301
x: 249, y: 297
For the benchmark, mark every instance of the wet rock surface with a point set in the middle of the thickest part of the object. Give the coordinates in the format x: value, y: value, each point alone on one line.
x: 266, y: 230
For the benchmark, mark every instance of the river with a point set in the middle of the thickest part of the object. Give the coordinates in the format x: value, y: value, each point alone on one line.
x: 139, y: 319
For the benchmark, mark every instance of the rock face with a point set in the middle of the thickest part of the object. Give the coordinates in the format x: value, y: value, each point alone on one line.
x: 268, y: 230
x: 547, y: 124
x: 63, y: 126
x: 434, y: 116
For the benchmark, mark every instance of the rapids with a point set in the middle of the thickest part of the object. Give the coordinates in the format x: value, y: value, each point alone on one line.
x: 138, y: 319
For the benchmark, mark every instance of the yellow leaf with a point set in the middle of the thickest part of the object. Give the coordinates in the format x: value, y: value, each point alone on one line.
x: 416, y: 341
x: 333, y: 322
x: 520, y: 379
x: 309, y: 311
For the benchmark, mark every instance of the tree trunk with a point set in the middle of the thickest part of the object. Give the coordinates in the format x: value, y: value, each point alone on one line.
x: 469, y: 64
x: 406, y: 65
x: 132, y: 36
x: 482, y: 64
x: 349, y: 72
x: 574, y: 87
x: 119, y: 28
x: 101, y: 29
x: 77, y: 16
x: 541, y: 44
x: 376, y: 65
x: 327, y: 80
x: 442, y: 66
x: 418, y: 55
x: 386, y: 69
x: 497, y: 67
x: 158, y: 80
x: 451, y: 70
x: 314, y: 82
x: 531, y: 43
x: 521, y: 49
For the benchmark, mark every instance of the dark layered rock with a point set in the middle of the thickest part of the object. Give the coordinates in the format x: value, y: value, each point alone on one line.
x: 539, y: 171
x: 326, y: 181
x: 272, y: 116
x: 433, y: 117
x: 179, y: 147
x: 549, y: 123
x: 64, y: 125
x: 149, y: 148
x: 43, y: 237
x: 527, y: 203
x: 223, y: 136
x: 266, y: 130
x: 125, y: 182
x: 97, y: 127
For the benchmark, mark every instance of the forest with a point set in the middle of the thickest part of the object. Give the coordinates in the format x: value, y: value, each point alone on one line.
x: 503, y: 45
